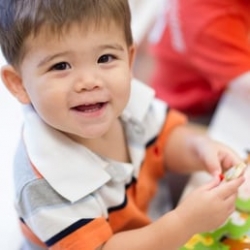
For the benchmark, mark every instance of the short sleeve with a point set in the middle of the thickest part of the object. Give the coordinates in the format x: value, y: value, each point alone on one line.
x: 52, y: 222
x: 166, y: 119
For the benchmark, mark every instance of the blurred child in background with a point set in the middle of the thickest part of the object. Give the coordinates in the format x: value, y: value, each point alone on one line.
x: 201, y: 50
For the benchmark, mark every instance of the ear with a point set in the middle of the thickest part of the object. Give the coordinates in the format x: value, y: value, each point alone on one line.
x: 131, y: 51
x: 13, y: 82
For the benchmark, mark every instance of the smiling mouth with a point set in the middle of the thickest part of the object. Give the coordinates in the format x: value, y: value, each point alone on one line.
x: 91, y: 108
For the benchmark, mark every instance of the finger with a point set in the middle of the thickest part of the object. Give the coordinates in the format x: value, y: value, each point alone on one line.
x: 230, y: 201
x: 230, y: 188
x: 225, y: 161
x: 228, y: 159
x: 212, y: 184
x: 212, y: 164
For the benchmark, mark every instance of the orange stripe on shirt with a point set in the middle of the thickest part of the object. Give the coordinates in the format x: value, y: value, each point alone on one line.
x: 36, y: 172
x: 89, y: 237
x: 140, y: 193
x: 30, y: 235
x: 153, y: 166
x: 130, y: 216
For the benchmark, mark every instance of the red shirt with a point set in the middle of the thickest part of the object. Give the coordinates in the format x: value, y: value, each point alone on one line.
x: 205, y: 45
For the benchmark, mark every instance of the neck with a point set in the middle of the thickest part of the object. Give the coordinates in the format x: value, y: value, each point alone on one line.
x: 113, y: 145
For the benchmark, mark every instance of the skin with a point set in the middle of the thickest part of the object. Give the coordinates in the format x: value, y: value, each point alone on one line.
x: 79, y: 83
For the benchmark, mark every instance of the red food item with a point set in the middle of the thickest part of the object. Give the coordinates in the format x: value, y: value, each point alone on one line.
x: 221, y: 176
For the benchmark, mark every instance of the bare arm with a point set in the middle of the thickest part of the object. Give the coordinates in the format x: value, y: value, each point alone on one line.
x: 168, y: 232
x: 174, y: 229
x: 187, y: 149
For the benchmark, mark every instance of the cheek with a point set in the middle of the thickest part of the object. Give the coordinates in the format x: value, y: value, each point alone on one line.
x: 123, y: 82
x: 122, y: 96
x: 46, y: 100
x: 44, y: 90
x: 122, y: 88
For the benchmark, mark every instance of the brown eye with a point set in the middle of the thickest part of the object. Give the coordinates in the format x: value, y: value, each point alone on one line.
x: 60, y: 66
x: 106, y: 59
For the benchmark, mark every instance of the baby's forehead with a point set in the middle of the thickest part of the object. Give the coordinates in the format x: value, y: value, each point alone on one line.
x: 49, y: 31
x: 48, y: 38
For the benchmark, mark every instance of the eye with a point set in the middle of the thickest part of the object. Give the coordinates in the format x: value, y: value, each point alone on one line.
x: 60, y: 66
x: 106, y: 59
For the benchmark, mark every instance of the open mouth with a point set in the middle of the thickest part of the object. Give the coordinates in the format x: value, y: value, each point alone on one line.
x: 90, y: 108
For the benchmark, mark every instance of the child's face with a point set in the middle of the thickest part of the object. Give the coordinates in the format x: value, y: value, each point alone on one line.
x: 78, y: 83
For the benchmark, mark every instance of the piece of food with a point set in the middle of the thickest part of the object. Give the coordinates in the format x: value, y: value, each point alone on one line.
x: 235, y: 171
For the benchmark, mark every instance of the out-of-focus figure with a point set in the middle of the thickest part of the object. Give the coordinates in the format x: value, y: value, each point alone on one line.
x: 201, y: 48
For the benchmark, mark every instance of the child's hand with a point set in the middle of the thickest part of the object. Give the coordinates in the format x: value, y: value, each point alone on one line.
x: 216, y: 157
x: 209, y: 206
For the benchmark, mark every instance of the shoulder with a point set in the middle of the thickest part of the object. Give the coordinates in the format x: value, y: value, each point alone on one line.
x: 143, y: 107
x: 149, y: 113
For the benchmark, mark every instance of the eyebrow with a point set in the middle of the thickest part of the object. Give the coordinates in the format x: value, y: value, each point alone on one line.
x: 112, y: 46
x: 52, y: 57
x: 47, y: 59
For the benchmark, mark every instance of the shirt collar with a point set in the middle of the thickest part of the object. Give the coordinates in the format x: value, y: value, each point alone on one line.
x: 141, y: 97
x: 62, y: 161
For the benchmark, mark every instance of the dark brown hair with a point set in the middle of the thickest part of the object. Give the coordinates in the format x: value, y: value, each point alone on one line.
x: 21, y: 18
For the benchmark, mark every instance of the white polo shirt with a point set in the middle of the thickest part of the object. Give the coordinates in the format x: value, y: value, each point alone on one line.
x: 71, y: 198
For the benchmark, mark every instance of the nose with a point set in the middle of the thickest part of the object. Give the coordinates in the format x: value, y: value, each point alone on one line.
x: 87, y: 80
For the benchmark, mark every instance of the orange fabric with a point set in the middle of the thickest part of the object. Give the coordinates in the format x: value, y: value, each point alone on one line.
x: 216, y: 49
x: 140, y: 193
x: 147, y: 181
x: 36, y: 172
x: 30, y: 235
x: 231, y: 58
x: 86, y: 238
x: 129, y: 217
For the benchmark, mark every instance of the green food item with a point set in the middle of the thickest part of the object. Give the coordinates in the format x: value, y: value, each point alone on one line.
x: 204, y: 242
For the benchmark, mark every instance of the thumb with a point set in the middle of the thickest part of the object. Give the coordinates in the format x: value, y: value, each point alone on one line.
x: 215, y: 172
x: 214, y: 167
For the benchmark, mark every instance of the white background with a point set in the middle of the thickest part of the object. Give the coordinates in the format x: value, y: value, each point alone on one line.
x: 10, y: 123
